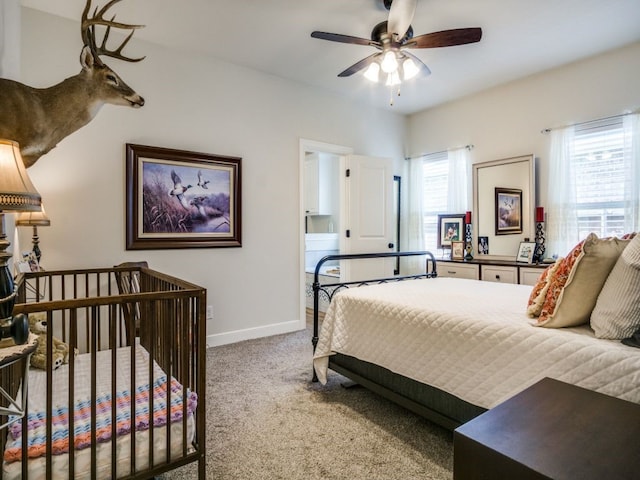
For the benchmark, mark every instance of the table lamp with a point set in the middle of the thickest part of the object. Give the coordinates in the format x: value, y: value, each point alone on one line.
x: 17, y: 194
x: 35, y: 220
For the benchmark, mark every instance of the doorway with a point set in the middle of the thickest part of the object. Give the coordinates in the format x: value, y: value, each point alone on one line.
x: 364, y: 217
x: 328, y: 153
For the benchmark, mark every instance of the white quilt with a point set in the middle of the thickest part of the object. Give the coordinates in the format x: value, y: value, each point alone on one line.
x: 470, y: 338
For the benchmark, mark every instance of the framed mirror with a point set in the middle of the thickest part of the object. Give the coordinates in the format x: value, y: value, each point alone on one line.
x: 503, y: 205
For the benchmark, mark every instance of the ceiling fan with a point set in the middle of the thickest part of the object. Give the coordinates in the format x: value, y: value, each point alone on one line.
x: 393, y: 38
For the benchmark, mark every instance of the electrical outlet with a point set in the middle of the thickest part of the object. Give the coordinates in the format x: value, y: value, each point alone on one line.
x: 209, y: 312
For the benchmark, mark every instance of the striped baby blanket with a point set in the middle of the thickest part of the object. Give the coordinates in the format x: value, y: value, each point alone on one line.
x: 167, y: 403
x: 83, y: 432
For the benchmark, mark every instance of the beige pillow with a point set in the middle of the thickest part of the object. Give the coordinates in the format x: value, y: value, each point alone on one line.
x: 617, y: 311
x: 571, y: 298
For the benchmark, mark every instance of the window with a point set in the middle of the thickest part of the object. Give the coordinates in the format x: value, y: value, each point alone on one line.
x: 597, y: 159
x: 437, y: 184
x: 435, y: 169
x: 594, y: 181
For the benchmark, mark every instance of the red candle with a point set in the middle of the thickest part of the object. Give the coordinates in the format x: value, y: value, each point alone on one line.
x: 539, y: 214
x: 468, y: 218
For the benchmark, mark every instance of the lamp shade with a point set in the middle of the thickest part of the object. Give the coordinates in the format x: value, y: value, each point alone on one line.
x: 17, y: 193
x: 33, y: 219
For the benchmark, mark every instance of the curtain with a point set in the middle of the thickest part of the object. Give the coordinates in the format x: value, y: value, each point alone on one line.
x: 562, y: 217
x: 10, y: 39
x: 631, y: 129
x: 414, y: 238
x: 457, y: 191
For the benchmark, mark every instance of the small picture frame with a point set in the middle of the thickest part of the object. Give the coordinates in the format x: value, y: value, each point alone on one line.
x: 483, y: 245
x: 29, y: 262
x: 450, y: 229
x: 457, y: 250
x: 525, y: 252
x: 23, y: 267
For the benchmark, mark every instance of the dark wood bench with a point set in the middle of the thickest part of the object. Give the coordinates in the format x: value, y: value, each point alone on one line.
x: 551, y: 430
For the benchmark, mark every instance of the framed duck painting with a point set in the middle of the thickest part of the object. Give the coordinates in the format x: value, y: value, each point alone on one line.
x: 181, y: 199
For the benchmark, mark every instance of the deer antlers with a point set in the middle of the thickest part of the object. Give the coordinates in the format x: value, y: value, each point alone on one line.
x: 88, y: 30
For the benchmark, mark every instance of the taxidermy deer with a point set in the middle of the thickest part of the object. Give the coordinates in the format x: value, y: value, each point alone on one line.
x: 39, y: 118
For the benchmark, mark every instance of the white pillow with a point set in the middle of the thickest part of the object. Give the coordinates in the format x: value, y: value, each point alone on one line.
x: 617, y: 311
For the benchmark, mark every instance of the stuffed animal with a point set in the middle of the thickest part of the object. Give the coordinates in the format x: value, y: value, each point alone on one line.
x: 38, y: 325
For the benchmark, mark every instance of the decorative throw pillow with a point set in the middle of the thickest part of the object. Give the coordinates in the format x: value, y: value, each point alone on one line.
x: 539, y: 292
x: 634, y: 340
x: 617, y: 311
x: 573, y: 290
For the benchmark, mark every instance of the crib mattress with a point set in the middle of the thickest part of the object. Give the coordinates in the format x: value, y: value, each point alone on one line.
x: 471, y: 339
x: 84, y: 434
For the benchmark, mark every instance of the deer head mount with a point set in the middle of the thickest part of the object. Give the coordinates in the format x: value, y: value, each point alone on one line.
x: 39, y: 118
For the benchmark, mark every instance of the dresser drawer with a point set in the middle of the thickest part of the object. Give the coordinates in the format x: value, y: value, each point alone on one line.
x: 492, y: 273
x: 529, y: 275
x: 458, y: 270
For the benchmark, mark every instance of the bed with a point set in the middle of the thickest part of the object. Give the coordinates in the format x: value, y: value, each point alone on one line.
x: 127, y: 403
x: 450, y: 349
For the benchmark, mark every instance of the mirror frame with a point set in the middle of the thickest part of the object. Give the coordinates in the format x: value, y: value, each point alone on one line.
x: 515, y: 173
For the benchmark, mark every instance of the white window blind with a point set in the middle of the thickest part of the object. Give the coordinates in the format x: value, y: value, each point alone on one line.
x: 597, y: 158
x: 436, y: 176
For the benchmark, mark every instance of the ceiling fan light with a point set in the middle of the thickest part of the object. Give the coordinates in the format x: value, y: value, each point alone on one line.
x: 393, y: 79
x: 373, y: 72
x: 389, y: 62
x: 409, y: 69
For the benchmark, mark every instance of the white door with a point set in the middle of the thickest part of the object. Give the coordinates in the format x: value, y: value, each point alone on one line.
x: 368, y: 218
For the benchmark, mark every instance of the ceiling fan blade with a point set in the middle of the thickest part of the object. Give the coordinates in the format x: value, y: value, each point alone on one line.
x: 400, y: 17
x: 446, y: 38
x: 356, y: 67
x: 337, y: 37
x: 424, y: 70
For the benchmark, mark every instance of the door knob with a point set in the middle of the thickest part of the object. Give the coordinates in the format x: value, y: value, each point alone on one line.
x: 390, y: 245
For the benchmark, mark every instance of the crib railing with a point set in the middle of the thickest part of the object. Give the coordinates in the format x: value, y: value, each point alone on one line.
x: 93, y: 311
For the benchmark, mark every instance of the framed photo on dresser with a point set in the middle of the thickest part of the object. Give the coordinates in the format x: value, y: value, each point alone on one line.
x: 525, y: 252
x: 450, y: 229
x: 457, y: 250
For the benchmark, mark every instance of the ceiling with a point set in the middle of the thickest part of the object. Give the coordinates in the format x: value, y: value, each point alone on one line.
x: 520, y: 38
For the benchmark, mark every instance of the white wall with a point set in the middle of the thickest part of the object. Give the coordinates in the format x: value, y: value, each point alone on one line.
x: 506, y: 121
x: 199, y: 104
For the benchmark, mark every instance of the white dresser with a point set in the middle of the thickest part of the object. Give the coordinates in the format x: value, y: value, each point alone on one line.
x: 490, y: 270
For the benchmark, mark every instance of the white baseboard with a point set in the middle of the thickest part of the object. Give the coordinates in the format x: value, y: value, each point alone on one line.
x: 226, y: 338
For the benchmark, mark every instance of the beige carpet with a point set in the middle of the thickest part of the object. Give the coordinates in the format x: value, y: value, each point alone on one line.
x: 267, y: 421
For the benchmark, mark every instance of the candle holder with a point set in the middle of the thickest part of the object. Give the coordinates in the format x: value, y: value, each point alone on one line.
x: 468, y: 238
x: 538, y: 254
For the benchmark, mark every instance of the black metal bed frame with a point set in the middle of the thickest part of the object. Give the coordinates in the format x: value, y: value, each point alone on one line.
x: 330, y: 289
x: 429, y: 402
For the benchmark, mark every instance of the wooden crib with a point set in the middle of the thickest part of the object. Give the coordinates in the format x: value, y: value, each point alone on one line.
x: 140, y: 341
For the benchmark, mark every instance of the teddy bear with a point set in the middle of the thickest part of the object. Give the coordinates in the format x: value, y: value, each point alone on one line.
x: 38, y: 326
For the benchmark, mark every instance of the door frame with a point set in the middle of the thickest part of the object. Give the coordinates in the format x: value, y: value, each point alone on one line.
x: 306, y: 145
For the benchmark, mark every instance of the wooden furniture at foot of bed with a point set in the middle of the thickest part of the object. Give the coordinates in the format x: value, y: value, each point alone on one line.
x: 551, y: 430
